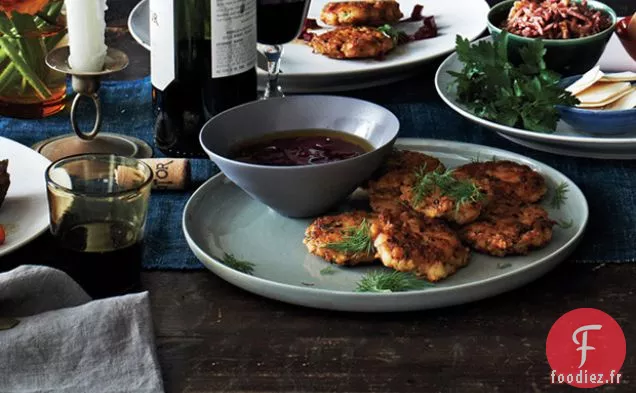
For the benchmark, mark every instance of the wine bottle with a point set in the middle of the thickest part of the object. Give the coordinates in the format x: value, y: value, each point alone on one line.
x: 203, y: 61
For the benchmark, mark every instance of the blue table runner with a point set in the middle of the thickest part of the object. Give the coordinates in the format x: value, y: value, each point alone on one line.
x: 608, y: 185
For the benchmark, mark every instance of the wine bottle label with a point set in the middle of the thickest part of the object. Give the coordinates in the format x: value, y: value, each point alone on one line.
x: 233, y: 36
x: 162, y: 53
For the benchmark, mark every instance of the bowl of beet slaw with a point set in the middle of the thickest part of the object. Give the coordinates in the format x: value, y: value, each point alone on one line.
x: 574, y: 33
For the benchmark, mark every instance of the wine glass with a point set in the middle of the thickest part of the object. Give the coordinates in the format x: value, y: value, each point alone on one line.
x: 278, y: 23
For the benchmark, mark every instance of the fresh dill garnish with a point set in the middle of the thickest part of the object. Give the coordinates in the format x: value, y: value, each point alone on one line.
x: 356, y: 240
x: 329, y: 270
x: 565, y: 224
x: 560, y: 195
x: 390, y: 281
x: 503, y: 265
x: 461, y: 191
x: 230, y: 260
x: 476, y: 159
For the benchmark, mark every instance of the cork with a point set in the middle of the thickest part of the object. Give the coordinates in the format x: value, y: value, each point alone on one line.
x: 168, y: 174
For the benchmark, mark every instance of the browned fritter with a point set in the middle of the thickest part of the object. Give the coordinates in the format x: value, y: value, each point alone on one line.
x: 361, y: 13
x: 399, y: 170
x: 411, y: 161
x: 327, y: 231
x: 436, y: 203
x: 410, y: 242
x: 509, y: 227
x: 506, y: 179
x: 352, y: 43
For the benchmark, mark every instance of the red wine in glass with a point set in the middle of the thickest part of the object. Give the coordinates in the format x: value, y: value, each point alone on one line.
x: 278, y: 23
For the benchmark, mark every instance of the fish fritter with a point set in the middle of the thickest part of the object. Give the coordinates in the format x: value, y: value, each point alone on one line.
x: 399, y: 170
x: 509, y: 227
x: 411, y: 161
x: 343, y: 239
x: 506, y: 179
x: 352, y: 43
x: 426, y: 247
x: 440, y: 195
x: 361, y: 13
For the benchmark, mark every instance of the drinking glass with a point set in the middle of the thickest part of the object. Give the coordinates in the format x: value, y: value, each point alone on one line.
x: 98, y: 205
x: 279, y: 22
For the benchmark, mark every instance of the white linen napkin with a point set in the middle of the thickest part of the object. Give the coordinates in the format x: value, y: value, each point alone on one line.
x: 64, y: 342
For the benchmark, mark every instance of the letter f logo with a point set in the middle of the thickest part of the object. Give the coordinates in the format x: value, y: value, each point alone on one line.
x: 584, y: 347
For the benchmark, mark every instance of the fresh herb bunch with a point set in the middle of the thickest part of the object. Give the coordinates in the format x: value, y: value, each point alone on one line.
x: 517, y: 96
x: 461, y: 191
x: 356, y: 240
x: 390, y: 281
x: 231, y: 261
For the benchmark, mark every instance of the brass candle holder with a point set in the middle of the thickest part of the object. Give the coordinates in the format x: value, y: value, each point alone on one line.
x: 86, y: 85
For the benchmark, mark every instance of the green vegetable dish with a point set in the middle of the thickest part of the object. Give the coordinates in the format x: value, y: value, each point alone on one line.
x: 522, y: 96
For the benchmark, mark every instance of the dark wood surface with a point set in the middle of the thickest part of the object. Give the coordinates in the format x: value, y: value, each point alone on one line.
x: 213, y: 337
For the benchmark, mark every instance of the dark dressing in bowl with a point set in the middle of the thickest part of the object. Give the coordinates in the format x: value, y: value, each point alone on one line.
x: 301, y: 147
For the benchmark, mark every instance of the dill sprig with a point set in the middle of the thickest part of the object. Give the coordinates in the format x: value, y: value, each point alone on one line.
x: 477, y: 159
x: 230, y: 260
x: 560, y: 195
x: 390, y: 281
x: 329, y: 270
x: 504, y: 265
x: 565, y: 224
x: 461, y: 191
x: 356, y: 240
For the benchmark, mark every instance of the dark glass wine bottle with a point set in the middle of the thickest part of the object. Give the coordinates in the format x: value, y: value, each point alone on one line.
x: 203, y: 61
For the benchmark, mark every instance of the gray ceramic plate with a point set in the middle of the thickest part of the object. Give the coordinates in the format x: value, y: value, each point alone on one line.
x: 220, y: 219
x: 565, y: 141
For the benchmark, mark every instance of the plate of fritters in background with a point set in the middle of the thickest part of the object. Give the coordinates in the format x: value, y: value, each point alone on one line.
x: 422, y: 262
x: 304, y: 71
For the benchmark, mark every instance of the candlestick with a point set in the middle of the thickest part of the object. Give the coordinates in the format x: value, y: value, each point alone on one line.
x: 86, y: 34
x: 86, y: 84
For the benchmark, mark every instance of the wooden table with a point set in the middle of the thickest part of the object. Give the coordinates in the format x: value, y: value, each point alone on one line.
x: 214, y: 337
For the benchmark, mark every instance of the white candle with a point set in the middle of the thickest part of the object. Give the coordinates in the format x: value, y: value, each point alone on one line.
x: 86, y: 30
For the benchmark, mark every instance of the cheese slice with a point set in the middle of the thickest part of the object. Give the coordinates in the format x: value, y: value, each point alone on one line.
x: 585, y: 81
x: 627, y: 76
x: 601, y: 105
x: 603, y: 92
x: 628, y: 101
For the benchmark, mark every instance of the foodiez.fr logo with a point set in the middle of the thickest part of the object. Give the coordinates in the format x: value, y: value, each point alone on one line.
x: 586, y: 348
